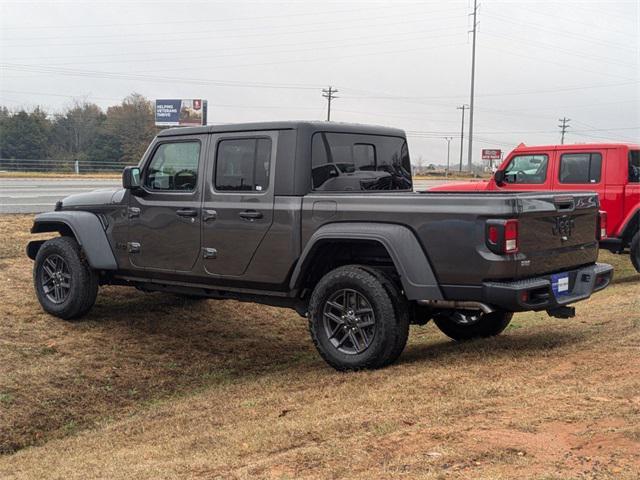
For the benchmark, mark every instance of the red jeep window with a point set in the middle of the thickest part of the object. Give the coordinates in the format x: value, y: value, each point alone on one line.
x: 580, y: 168
x: 527, y: 169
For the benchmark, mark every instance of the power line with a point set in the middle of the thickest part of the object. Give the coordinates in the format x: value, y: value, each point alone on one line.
x: 564, y: 125
x: 329, y: 94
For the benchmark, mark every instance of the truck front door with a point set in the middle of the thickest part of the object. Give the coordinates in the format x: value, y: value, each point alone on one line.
x: 165, y: 216
x: 238, y: 200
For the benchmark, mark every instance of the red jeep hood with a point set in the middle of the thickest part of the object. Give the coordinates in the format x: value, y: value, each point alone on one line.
x: 476, y: 186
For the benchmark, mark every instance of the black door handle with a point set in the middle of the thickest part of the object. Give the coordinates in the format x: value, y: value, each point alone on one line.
x: 187, y: 212
x: 250, y: 214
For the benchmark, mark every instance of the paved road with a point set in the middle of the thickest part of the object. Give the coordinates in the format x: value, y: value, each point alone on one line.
x: 32, y: 195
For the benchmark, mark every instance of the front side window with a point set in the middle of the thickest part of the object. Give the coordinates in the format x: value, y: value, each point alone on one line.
x: 634, y: 166
x: 580, y: 168
x: 243, y: 164
x: 174, y: 167
x: 527, y: 169
x: 343, y: 162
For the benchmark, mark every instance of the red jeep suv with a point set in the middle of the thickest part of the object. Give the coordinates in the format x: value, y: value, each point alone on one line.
x: 610, y: 169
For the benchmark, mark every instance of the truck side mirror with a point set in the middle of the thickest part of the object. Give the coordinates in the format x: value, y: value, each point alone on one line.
x: 499, y: 177
x: 131, y: 178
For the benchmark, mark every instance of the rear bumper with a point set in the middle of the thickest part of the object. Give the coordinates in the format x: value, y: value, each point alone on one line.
x: 537, y: 293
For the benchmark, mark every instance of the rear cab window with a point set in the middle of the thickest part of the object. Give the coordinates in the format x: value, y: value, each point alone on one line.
x: 634, y: 166
x: 527, y: 169
x: 344, y: 162
x: 580, y: 168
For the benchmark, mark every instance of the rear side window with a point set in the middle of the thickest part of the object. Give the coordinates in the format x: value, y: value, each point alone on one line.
x: 580, y: 168
x: 527, y: 169
x: 243, y: 164
x: 174, y: 167
x: 343, y: 162
x: 634, y: 166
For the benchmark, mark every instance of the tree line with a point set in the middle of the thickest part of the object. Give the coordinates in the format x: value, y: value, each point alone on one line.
x: 83, y: 132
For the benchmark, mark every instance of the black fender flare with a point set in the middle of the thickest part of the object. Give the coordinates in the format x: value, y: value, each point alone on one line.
x: 411, y: 262
x: 86, y: 228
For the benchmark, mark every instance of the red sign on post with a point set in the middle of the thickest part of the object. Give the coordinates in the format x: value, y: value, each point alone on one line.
x: 491, y: 154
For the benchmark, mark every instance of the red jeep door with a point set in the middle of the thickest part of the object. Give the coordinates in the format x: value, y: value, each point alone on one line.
x: 582, y: 169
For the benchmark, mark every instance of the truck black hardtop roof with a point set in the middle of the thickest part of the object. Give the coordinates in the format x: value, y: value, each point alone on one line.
x: 286, y: 125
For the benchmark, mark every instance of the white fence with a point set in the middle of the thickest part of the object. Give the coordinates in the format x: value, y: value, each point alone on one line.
x: 57, y: 166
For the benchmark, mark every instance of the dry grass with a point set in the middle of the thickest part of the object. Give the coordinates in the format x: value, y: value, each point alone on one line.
x: 149, y: 386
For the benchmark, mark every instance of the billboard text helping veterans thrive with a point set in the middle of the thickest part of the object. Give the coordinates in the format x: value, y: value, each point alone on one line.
x: 181, y: 112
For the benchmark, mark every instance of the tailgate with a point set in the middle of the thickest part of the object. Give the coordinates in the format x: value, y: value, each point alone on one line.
x: 557, y: 231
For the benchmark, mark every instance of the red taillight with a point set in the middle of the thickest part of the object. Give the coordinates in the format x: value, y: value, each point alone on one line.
x: 502, y: 236
x: 493, y: 235
x: 511, y: 236
x: 601, y: 233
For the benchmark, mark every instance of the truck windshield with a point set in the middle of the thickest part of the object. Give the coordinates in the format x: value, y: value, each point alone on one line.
x: 634, y: 166
x: 356, y: 162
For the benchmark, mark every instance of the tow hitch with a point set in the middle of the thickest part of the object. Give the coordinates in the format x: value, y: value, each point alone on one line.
x: 562, y: 312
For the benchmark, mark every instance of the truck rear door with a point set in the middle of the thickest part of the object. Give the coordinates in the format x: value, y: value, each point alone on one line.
x: 632, y: 188
x: 237, y: 209
x: 557, y: 230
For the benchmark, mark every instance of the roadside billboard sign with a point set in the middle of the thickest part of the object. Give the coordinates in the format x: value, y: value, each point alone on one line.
x: 181, y: 112
x: 491, y: 154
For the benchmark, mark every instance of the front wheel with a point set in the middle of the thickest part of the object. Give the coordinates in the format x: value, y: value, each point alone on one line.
x: 353, y: 322
x: 63, y: 280
x: 467, y: 324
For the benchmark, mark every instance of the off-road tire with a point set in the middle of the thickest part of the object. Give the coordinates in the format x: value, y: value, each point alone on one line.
x: 83, y: 280
x: 489, y: 325
x: 401, y: 308
x: 635, y: 251
x: 384, y: 345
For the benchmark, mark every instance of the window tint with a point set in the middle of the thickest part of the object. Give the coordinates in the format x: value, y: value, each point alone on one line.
x: 243, y: 164
x: 527, y: 169
x: 350, y: 162
x: 580, y: 168
x: 634, y: 166
x: 174, y: 167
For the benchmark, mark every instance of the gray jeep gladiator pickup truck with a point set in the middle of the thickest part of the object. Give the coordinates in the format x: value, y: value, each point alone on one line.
x: 321, y: 218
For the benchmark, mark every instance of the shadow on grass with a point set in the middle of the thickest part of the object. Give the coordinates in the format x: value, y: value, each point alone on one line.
x: 503, y: 346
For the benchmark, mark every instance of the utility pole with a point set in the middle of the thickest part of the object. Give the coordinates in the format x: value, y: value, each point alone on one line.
x: 563, y: 127
x: 463, y: 108
x: 473, y: 75
x: 329, y: 94
x: 448, y: 140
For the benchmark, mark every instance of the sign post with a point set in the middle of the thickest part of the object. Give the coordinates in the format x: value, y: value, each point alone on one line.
x: 181, y: 112
x: 491, y: 155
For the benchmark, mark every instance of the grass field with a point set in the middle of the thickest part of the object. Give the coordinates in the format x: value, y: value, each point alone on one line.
x: 149, y: 386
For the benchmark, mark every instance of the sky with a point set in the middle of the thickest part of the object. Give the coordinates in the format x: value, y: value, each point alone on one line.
x: 398, y: 63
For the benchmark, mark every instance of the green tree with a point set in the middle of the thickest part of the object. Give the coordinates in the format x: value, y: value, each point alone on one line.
x: 75, y: 131
x: 24, y: 135
x: 133, y: 124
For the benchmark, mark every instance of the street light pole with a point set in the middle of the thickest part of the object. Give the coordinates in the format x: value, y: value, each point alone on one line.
x: 448, y: 139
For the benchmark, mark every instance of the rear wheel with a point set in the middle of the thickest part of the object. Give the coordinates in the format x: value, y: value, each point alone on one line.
x: 352, y: 320
x: 635, y: 251
x: 468, y: 324
x: 65, y: 284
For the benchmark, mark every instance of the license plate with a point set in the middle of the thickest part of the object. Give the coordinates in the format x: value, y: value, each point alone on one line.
x: 560, y: 284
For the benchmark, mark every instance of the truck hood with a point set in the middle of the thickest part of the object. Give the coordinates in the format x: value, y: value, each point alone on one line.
x: 476, y: 186
x: 105, y: 196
